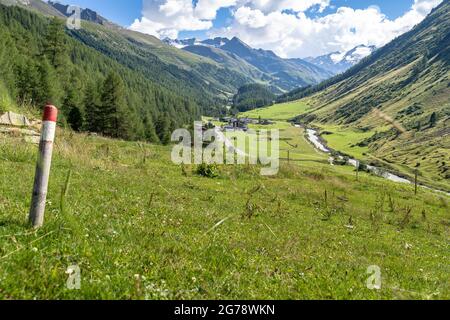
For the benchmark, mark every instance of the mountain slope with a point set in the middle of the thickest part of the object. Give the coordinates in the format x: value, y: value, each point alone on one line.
x: 287, y: 73
x: 402, y: 91
x: 261, y: 65
x: 227, y: 60
x: 34, y: 5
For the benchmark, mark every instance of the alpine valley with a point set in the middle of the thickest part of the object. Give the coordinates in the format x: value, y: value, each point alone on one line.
x: 134, y: 167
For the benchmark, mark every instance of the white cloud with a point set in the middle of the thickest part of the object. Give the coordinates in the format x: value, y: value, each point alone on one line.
x: 281, y: 25
x: 268, y: 6
x: 165, y: 18
x: 207, y: 9
x: 300, y: 36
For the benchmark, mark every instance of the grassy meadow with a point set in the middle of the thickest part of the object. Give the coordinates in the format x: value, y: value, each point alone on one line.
x: 345, y: 139
x: 402, y: 155
x: 283, y: 111
x: 140, y: 227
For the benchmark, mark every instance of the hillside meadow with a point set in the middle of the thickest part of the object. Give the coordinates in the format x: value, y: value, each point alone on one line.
x: 280, y: 112
x: 140, y: 227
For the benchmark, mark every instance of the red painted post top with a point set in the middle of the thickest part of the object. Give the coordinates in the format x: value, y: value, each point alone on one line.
x: 50, y: 113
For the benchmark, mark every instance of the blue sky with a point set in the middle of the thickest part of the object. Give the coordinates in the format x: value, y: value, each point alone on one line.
x: 124, y: 12
x: 291, y: 28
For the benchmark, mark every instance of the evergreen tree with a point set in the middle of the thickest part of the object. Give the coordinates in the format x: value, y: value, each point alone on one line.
x: 75, y: 113
x: 45, y: 90
x: 433, y: 119
x: 163, y: 128
x: 27, y: 82
x: 113, y: 121
x: 76, y: 118
x: 92, y: 110
x: 54, y: 44
x: 132, y: 127
x: 149, y: 129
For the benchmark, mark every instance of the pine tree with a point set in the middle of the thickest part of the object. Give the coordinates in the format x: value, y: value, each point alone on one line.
x: 132, y: 127
x: 27, y: 81
x: 76, y: 118
x: 163, y: 128
x: 92, y: 109
x: 45, y: 90
x: 433, y: 119
x: 112, y: 107
x: 75, y: 113
x: 54, y: 44
x: 149, y: 129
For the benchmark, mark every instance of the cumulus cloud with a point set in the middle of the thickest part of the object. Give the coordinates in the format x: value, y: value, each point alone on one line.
x: 207, y: 9
x: 165, y: 18
x: 282, y: 25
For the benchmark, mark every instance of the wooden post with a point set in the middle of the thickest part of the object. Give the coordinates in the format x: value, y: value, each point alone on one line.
x: 289, y: 157
x: 44, y: 161
x: 416, y: 176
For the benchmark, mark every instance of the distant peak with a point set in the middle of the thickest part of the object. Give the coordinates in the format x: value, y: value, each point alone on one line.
x: 236, y: 39
x: 86, y: 13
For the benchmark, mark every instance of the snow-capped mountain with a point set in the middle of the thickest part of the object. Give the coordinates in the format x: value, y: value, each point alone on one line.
x: 338, y: 62
x: 180, y: 44
x: 216, y: 42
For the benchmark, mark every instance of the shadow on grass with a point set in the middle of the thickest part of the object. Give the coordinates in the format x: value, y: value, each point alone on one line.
x: 13, y: 223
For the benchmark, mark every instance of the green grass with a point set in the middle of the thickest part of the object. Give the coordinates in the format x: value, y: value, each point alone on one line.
x: 284, y: 111
x: 346, y: 139
x: 140, y: 227
x: 401, y: 156
x: 6, y: 103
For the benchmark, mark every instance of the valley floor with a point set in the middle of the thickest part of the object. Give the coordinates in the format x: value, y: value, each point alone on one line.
x: 140, y: 227
x: 405, y: 156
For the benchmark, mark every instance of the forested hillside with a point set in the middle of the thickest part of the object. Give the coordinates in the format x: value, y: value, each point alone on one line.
x: 252, y: 96
x: 40, y: 63
x: 192, y: 77
x: 209, y: 81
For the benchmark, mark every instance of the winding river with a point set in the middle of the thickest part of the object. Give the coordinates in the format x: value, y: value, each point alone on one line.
x: 314, y: 138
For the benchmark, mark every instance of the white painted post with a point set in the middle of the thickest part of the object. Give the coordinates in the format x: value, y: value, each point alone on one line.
x: 43, y: 166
